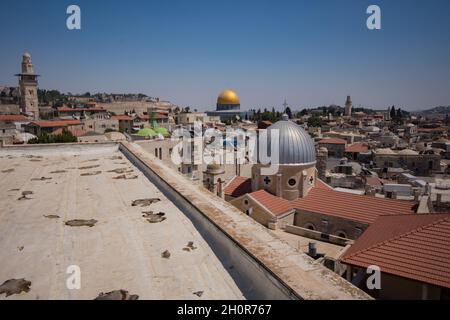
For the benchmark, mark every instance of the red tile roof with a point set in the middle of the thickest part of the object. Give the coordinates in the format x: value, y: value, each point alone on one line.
x: 440, y: 129
x: 64, y: 109
x: 415, y: 247
x: 325, y: 200
x: 366, y: 209
x: 238, y: 186
x: 274, y: 204
x: 12, y: 117
x: 373, y: 181
x: 56, y: 123
x: 357, y: 148
x: 332, y: 141
x: 159, y: 115
x: 123, y: 117
x: 81, y: 103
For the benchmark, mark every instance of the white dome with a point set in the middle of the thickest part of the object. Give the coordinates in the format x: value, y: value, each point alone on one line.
x: 295, y: 144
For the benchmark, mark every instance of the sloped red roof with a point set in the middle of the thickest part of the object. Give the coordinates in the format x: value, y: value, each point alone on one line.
x: 365, y: 209
x: 238, y: 186
x: 357, y: 148
x: 56, y: 123
x: 274, y: 204
x: 12, y: 117
x: 373, y: 181
x: 440, y: 129
x: 414, y: 246
x: 332, y: 141
x: 157, y: 115
x: 123, y: 117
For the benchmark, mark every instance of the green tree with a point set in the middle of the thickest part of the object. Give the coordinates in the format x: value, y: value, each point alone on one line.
x: 315, y: 121
x: 393, y: 113
x: 65, y: 137
x: 288, y: 111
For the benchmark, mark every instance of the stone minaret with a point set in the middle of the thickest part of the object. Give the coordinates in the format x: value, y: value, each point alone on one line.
x: 348, y: 106
x: 28, y: 88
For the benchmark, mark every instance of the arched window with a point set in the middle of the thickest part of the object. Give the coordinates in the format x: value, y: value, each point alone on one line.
x: 341, y: 234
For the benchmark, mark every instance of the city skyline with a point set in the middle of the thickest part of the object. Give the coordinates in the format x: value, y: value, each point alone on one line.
x: 310, y: 54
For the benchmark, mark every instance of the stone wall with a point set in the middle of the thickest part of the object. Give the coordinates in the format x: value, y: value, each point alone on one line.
x: 329, y: 225
x: 9, y: 109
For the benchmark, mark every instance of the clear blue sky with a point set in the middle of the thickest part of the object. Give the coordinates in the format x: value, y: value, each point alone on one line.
x: 309, y: 52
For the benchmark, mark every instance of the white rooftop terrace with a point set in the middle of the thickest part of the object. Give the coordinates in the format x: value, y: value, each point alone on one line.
x: 121, y: 251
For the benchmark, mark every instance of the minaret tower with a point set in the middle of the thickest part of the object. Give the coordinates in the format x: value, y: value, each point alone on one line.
x: 28, y: 88
x: 348, y: 107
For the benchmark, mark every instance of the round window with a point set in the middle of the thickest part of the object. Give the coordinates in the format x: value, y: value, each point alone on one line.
x: 292, y: 182
x: 342, y: 235
x: 246, y: 202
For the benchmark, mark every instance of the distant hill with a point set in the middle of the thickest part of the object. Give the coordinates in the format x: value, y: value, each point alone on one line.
x: 435, y: 110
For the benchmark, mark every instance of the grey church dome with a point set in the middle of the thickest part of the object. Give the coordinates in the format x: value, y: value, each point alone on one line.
x: 296, y: 146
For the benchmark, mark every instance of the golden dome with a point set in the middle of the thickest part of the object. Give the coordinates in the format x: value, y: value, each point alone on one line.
x: 228, y: 97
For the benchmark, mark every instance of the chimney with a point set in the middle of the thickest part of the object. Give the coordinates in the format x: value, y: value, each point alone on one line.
x: 416, y: 194
x: 438, y: 199
x: 312, y: 250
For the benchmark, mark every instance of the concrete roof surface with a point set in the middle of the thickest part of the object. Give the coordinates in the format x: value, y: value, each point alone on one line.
x: 121, y: 251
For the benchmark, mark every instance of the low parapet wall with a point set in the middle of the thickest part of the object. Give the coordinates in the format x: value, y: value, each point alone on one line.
x: 316, y: 235
x: 59, y: 149
x: 263, y: 266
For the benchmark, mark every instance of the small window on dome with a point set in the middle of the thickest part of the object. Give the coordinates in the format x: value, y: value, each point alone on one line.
x: 292, y: 182
x: 341, y: 234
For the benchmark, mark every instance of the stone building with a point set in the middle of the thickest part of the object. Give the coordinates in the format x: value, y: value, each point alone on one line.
x: 44, y: 126
x: 335, y: 146
x: 81, y: 110
x: 7, y: 132
x: 418, y: 163
x: 296, y: 162
x: 28, y: 84
x: 322, y: 157
x: 213, y: 179
x: 125, y: 123
x: 100, y: 124
x: 293, y: 197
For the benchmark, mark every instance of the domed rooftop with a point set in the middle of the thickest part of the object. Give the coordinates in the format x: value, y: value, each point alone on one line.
x: 214, y: 168
x: 295, y: 144
x: 228, y: 97
x: 385, y: 151
x: 408, y: 152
